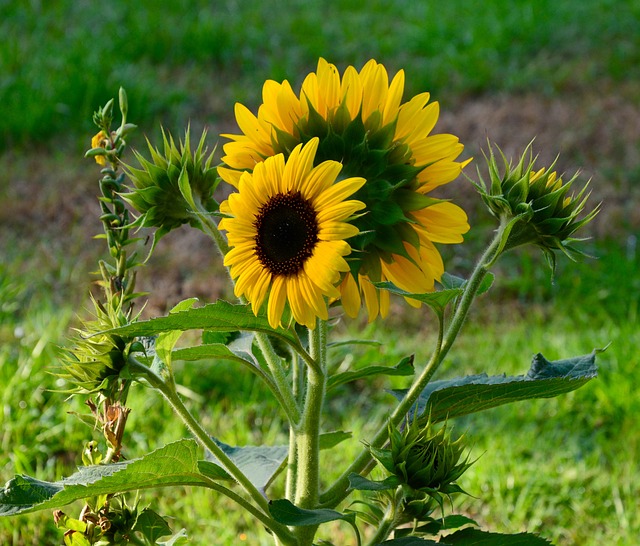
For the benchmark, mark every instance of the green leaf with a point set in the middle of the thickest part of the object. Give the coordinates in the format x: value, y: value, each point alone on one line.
x: 171, y: 465
x: 284, y: 511
x: 213, y: 471
x: 411, y: 541
x: 437, y: 300
x: 476, y: 537
x: 179, y: 539
x: 465, y: 395
x: 403, y: 368
x: 260, y: 464
x: 329, y: 440
x: 167, y: 340
x: 451, y: 281
x: 220, y: 316
x: 151, y: 525
x: 360, y: 483
x: 214, y: 351
x: 435, y: 526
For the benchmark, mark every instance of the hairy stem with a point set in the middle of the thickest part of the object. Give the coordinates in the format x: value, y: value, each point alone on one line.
x: 307, y: 435
x: 279, y: 375
x: 364, y: 462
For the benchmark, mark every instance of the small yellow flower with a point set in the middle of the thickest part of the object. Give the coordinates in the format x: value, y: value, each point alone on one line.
x: 99, y: 140
x: 287, y: 230
x: 360, y: 120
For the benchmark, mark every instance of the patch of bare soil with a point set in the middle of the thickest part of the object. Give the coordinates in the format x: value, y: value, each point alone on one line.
x: 48, y: 207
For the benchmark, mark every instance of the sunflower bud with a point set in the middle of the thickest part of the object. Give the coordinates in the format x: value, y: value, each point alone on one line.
x: 95, y: 361
x: 165, y: 189
x: 535, y: 205
x: 426, y: 462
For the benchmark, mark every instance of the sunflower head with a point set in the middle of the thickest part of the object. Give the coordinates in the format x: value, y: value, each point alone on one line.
x: 287, y: 229
x: 536, y: 204
x: 359, y: 120
x: 163, y: 186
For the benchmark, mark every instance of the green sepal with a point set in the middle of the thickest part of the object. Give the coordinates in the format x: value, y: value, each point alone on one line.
x: 411, y: 200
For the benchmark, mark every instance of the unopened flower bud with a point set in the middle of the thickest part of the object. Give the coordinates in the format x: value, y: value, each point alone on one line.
x: 535, y: 205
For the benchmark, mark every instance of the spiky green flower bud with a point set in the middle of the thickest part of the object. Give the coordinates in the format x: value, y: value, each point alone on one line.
x: 166, y: 189
x: 535, y: 205
x: 96, y: 360
x: 426, y: 462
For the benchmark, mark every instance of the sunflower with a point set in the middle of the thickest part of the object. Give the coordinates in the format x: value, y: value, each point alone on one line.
x: 286, y: 226
x: 360, y: 120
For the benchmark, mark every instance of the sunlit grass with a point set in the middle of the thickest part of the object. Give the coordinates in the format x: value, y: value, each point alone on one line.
x: 565, y: 467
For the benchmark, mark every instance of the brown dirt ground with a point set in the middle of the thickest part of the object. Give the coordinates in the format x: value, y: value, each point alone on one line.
x: 48, y: 208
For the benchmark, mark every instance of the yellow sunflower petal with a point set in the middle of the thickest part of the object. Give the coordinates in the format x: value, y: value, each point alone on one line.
x: 350, y: 296
x: 370, y: 296
x: 277, y: 299
x: 351, y: 91
x: 443, y: 223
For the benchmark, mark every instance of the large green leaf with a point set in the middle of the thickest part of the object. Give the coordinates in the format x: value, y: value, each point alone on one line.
x: 475, y: 537
x: 260, y: 464
x: 464, y: 395
x: 404, y: 367
x: 171, y: 465
x: 220, y: 316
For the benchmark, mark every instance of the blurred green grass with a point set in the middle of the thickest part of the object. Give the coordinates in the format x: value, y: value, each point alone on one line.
x: 59, y: 60
x: 194, y: 58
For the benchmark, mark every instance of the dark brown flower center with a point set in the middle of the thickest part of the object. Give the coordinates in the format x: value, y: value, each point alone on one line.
x: 287, y: 233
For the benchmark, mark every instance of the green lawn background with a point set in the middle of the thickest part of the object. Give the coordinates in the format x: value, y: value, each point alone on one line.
x: 566, y: 72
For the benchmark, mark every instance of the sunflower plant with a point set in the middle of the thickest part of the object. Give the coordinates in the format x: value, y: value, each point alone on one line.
x: 330, y: 209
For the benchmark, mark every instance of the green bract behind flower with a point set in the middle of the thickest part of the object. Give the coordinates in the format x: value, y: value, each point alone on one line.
x: 166, y: 187
x: 535, y: 205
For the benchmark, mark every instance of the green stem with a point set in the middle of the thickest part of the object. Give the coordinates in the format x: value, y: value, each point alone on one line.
x: 170, y: 394
x: 279, y: 375
x: 308, y: 433
x: 364, y: 462
x: 210, y: 227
